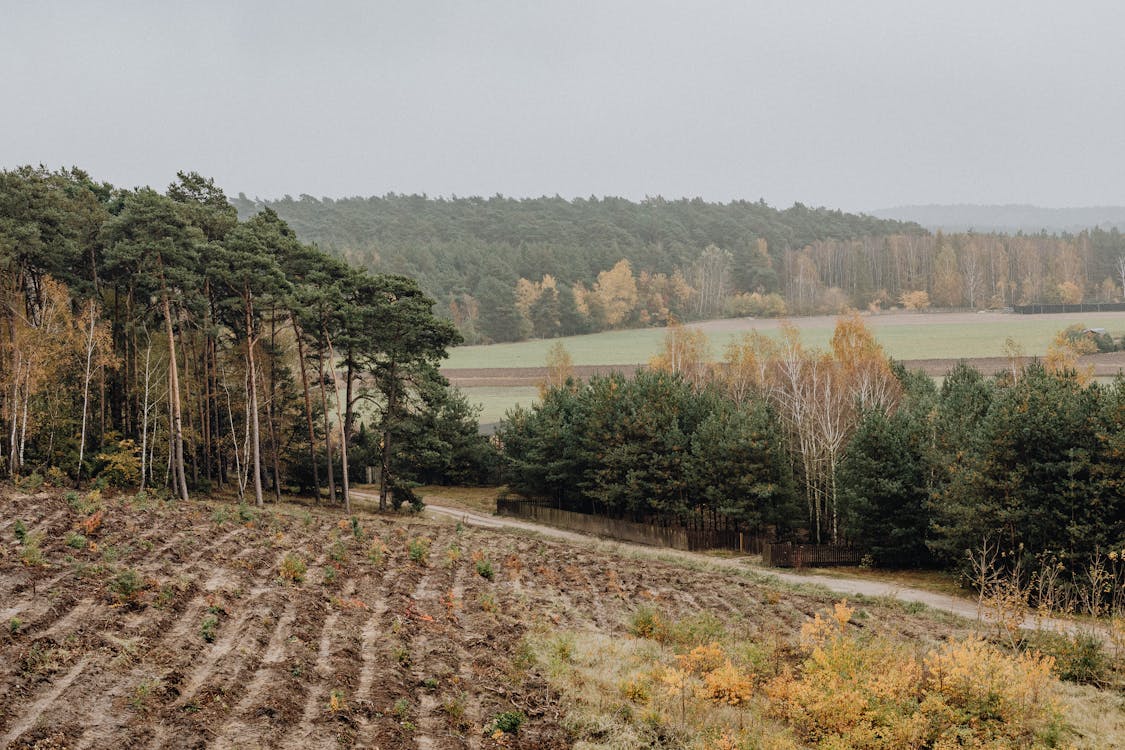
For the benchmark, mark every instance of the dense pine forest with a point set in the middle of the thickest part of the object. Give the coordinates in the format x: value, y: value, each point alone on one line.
x: 504, y: 269
x: 152, y: 339
x: 846, y: 446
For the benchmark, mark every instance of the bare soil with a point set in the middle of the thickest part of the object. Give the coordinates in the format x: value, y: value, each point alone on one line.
x: 902, y: 318
x: 389, y: 653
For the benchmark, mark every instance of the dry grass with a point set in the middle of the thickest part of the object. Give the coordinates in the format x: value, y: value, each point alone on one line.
x: 650, y: 689
x: 1098, y: 716
x: 481, y: 499
x: 928, y: 580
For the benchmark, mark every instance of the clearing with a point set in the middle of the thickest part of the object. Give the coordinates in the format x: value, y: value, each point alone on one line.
x: 133, y: 622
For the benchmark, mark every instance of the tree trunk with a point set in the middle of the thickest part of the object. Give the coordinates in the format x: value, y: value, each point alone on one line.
x: 327, y: 436
x: 174, y: 399
x: 144, y: 420
x: 252, y: 404
x: 86, y: 393
x: 343, y: 433
x: 349, y: 379
x: 273, y: 448
x: 388, y: 420
x: 308, y: 407
x: 269, y: 408
x: 234, y: 441
x: 189, y: 360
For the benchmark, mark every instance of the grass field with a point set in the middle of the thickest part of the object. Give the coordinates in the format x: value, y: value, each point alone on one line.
x: 903, y: 335
x: 494, y: 401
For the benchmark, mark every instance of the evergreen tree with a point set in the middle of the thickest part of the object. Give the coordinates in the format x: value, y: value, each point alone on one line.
x: 884, y: 493
x: 739, y: 467
x: 500, y: 319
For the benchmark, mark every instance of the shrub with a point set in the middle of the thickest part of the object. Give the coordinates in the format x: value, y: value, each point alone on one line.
x: 31, y: 483
x: 452, y: 555
x: 648, y: 623
x: 76, y: 540
x: 31, y: 554
x: 207, y: 629
x: 56, y: 477
x: 337, y: 701
x: 454, y: 708
x: 508, y: 722
x: 292, y: 568
x: 871, y: 693
x: 419, y: 549
x: 92, y: 503
x: 121, y: 464
x: 915, y: 300
x: 484, y: 569
x: 92, y: 523
x: 126, y: 585
x: 376, y: 553
x: 1079, y: 657
x: 20, y: 530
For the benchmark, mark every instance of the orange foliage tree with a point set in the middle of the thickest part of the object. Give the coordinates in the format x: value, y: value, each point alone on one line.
x: 687, y: 352
x: 821, y: 398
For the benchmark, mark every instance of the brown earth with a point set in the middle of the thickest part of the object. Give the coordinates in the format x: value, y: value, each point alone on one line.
x: 900, y: 318
x: 388, y: 653
x: 1105, y: 366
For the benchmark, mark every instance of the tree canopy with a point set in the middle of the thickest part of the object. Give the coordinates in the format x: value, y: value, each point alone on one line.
x: 158, y: 333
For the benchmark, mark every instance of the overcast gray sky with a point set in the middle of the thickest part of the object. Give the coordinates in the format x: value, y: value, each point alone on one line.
x: 856, y: 105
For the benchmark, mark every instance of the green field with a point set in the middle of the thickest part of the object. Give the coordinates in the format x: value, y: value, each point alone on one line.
x: 495, y: 400
x: 903, y: 335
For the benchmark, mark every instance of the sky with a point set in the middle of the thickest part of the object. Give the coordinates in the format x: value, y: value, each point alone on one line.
x: 852, y: 105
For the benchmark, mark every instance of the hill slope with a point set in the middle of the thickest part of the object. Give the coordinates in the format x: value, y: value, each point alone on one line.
x: 380, y: 644
x: 450, y: 245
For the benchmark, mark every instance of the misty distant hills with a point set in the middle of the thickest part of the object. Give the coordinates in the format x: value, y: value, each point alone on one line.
x: 1007, y: 219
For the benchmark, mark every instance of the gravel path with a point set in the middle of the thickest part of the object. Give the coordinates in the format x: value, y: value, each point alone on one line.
x: 837, y: 584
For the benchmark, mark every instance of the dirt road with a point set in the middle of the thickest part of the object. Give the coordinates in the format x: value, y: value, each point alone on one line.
x: 841, y: 585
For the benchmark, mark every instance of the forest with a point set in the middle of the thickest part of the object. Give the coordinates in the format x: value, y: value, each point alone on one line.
x: 505, y: 269
x: 155, y: 340
x: 842, y: 446
x: 158, y: 340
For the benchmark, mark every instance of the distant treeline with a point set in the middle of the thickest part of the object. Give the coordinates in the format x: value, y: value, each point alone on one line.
x: 505, y: 269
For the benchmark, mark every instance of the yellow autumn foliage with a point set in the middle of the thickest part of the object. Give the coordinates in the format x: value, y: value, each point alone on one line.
x: 869, y: 693
x: 727, y: 685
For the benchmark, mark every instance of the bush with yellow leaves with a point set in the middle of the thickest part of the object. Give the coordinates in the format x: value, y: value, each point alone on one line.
x: 871, y: 694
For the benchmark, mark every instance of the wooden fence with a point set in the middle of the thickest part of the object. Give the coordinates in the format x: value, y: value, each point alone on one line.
x: 655, y: 534
x: 1083, y: 307
x: 789, y: 555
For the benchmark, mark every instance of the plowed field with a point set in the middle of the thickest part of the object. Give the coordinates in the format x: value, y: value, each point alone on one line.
x: 404, y: 632
x: 387, y: 653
